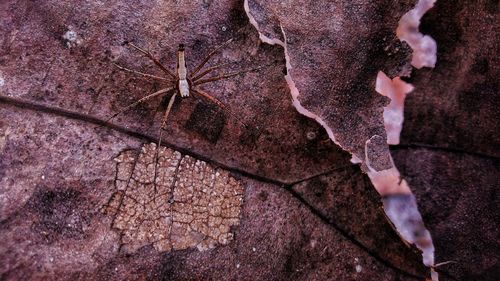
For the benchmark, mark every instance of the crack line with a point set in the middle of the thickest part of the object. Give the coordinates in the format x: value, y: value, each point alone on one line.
x: 351, y: 238
x: 23, y: 104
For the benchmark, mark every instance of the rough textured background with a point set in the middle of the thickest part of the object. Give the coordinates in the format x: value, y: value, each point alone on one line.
x: 331, y: 73
x: 450, y: 141
x: 307, y: 213
x: 334, y: 63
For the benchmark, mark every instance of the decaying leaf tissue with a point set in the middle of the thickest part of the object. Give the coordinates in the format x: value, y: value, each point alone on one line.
x: 363, y: 145
x: 186, y: 204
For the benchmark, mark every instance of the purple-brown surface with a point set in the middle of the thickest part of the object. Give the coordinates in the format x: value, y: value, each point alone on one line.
x: 307, y: 212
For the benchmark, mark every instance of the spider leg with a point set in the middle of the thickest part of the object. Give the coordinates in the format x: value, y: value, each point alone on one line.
x: 219, y: 104
x: 209, y: 97
x: 223, y: 76
x: 209, y: 56
x: 141, y: 73
x: 207, y: 71
x: 162, y: 125
x: 167, y: 111
x: 162, y: 91
x: 151, y: 57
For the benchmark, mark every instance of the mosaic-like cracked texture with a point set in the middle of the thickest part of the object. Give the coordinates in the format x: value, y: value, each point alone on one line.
x: 190, y: 204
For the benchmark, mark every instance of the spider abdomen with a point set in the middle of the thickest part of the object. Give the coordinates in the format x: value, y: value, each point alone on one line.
x: 183, y: 88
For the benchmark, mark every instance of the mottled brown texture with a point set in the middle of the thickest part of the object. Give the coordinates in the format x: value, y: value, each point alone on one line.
x: 377, y: 153
x: 346, y: 195
x: 344, y: 101
x: 454, y: 113
x: 456, y: 104
x: 335, y: 60
x: 61, y: 233
x: 38, y: 65
x: 57, y: 170
x: 459, y: 202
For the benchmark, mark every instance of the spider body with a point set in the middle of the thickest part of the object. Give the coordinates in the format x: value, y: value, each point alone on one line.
x: 183, y: 82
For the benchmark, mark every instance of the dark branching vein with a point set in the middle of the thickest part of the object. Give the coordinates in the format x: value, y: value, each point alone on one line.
x: 29, y: 105
x: 351, y: 238
x: 320, y: 174
x: 24, y: 104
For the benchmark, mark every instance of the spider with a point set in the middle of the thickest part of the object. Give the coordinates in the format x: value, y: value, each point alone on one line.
x: 183, y: 82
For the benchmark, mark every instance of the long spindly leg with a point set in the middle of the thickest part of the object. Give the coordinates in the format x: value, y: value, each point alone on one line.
x: 207, y: 71
x: 223, y: 76
x: 151, y: 57
x: 209, y: 56
x: 167, y: 111
x: 219, y: 104
x: 209, y: 97
x: 142, y: 73
x: 162, y: 125
x: 162, y: 91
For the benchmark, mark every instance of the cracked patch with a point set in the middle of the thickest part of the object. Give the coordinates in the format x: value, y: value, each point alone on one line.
x: 190, y: 204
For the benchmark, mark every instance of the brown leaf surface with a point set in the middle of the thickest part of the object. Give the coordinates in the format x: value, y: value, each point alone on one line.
x: 342, y: 99
x: 450, y: 140
x: 307, y: 213
x: 335, y: 52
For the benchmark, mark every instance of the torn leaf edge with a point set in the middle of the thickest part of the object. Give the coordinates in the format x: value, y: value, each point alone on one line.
x: 423, y: 44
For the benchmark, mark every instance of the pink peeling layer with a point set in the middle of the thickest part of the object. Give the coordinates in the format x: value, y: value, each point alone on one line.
x: 424, y: 47
x: 395, y: 89
x: 424, y: 55
x: 399, y: 202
